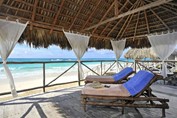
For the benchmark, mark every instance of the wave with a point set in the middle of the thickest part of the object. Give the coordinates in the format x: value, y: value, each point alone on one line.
x: 56, y: 60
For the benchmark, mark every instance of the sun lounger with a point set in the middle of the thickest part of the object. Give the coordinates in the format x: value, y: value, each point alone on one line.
x: 116, y: 78
x: 128, y: 94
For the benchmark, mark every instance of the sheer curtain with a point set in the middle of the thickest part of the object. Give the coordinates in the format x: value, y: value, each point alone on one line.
x: 163, y: 45
x: 79, y: 44
x: 10, y: 32
x: 118, y: 47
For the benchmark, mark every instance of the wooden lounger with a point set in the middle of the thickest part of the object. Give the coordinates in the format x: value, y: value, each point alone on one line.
x: 124, y: 99
x: 121, y: 77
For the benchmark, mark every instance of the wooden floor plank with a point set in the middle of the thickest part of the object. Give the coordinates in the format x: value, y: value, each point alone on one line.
x: 66, y: 104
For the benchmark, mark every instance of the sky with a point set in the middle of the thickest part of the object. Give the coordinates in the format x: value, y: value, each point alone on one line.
x: 24, y: 51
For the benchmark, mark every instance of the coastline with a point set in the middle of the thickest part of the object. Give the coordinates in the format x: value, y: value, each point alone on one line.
x: 32, y: 77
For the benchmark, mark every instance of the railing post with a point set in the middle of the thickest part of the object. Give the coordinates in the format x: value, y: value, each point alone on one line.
x: 79, y: 74
x: 135, y: 66
x: 43, y: 77
x: 101, y: 68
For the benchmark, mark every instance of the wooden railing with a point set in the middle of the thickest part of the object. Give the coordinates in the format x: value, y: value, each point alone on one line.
x: 137, y: 65
x: 49, y: 84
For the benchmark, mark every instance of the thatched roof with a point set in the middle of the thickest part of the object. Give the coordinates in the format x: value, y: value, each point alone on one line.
x: 140, y: 53
x: 103, y: 19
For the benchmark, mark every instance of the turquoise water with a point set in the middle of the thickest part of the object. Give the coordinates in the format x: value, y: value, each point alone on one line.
x: 18, y: 69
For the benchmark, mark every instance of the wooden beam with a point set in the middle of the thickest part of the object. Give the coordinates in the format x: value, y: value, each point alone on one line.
x: 172, y: 3
x: 10, y: 5
x: 129, y: 20
x: 125, y: 23
x: 124, y: 6
x: 167, y: 8
x: 18, y: 0
x: 117, y: 22
x: 18, y: 7
x: 1, y: 1
x: 121, y: 18
x: 47, y: 26
x: 56, y: 17
x: 114, y: 27
x: 147, y: 24
x: 77, y: 14
x: 148, y: 6
x: 123, y: 26
x: 105, y: 28
x: 130, y: 2
x: 136, y: 26
x: 104, y: 16
x: 108, y: 38
x: 126, y: 26
x: 160, y: 19
x: 116, y: 7
x: 34, y: 13
x: 91, y: 15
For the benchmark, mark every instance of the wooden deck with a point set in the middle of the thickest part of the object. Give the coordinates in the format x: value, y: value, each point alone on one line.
x: 65, y: 103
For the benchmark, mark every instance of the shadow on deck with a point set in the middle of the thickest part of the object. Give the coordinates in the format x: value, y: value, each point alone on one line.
x: 66, y: 104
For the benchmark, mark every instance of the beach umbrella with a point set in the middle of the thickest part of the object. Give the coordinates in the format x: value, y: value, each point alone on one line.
x: 140, y: 53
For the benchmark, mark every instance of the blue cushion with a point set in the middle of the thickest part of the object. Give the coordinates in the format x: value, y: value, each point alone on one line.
x: 126, y: 71
x: 138, y: 82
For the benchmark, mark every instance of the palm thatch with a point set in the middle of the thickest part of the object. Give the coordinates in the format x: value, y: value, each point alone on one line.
x: 102, y: 19
x: 140, y: 53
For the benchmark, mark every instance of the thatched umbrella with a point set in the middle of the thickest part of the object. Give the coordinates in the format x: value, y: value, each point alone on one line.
x: 140, y: 53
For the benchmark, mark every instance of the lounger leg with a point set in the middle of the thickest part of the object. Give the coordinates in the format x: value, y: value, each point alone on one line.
x: 163, y: 112
x: 122, y: 110
x: 84, y: 104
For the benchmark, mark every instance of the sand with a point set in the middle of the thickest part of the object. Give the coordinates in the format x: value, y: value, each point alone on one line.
x: 32, y: 80
x: 36, y: 81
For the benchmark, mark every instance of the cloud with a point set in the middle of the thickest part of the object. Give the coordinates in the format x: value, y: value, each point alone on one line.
x: 24, y: 51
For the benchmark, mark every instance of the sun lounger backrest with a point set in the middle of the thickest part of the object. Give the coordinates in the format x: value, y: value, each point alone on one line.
x: 123, y: 73
x: 138, y: 82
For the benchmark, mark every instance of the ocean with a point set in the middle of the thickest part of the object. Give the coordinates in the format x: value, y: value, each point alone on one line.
x: 27, y: 69
x: 30, y: 75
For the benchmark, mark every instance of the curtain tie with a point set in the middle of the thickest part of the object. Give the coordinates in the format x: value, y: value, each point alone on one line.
x: 4, y: 62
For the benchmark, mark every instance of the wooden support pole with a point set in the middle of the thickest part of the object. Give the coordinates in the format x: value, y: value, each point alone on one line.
x: 116, y: 8
x: 43, y: 77
x: 79, y: 74
x: 148, y: 6
x: 55, y: 19
x: 1, y: 1
x: 101, y: 67
x: 34, y: 13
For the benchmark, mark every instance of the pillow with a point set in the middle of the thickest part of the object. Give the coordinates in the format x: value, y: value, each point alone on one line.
x: 123, y: 73
x: 138, y: 82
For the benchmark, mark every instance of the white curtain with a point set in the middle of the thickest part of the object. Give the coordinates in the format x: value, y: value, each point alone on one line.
x: 79, y: 44
x: 118, y: 47
x: 10, y: 32
x: 163, y: 45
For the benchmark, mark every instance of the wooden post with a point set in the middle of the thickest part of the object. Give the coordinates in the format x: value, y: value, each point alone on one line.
x: 122, y: 110
x: 84, y: 103
x: 101, y: 68
x: 163, y: 113
x: 79, y: 74
x: 135, y: 66
x: 43, y: 77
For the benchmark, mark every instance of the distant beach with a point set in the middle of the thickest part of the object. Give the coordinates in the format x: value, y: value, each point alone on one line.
x: 31, y: 75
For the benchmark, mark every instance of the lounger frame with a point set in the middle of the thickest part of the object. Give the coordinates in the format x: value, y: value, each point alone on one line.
x: 122, y: 80
x: 119, y: 101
